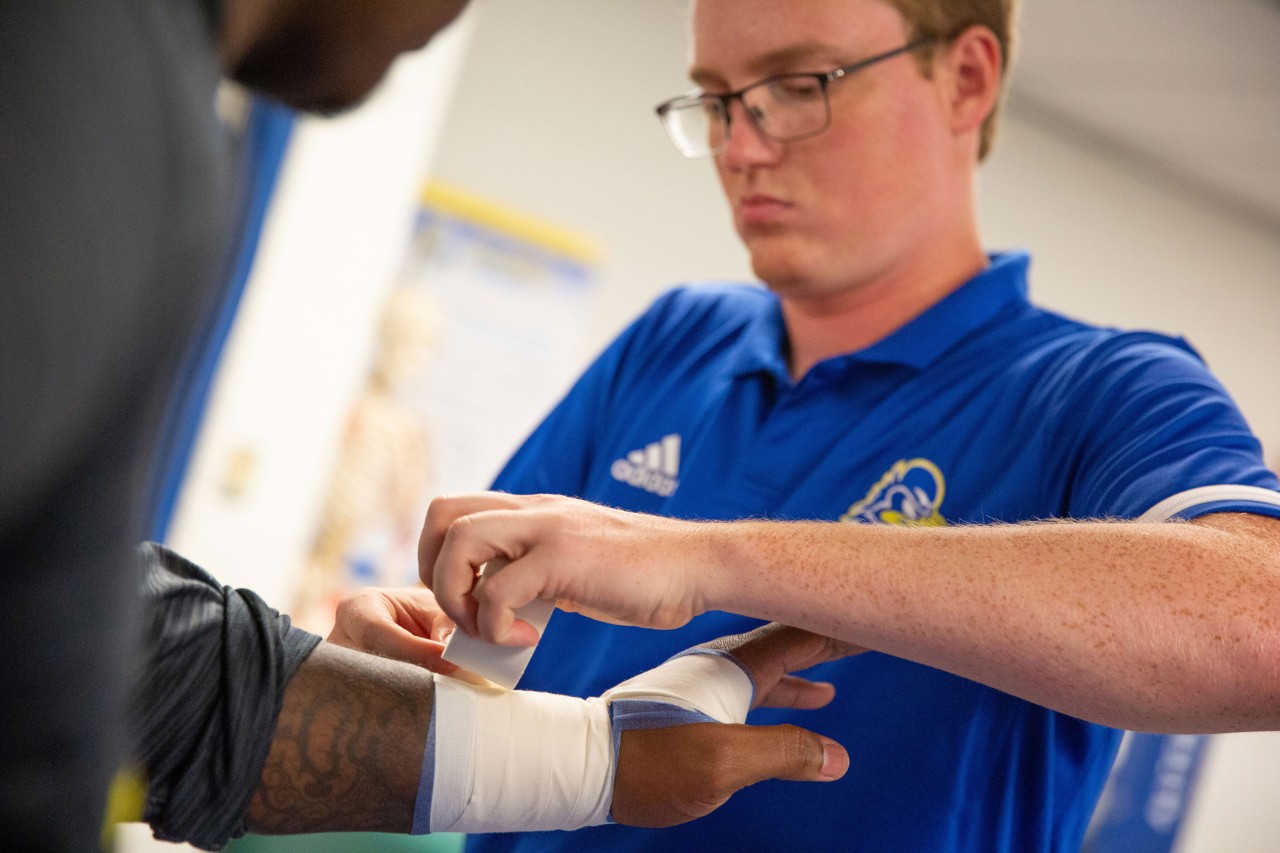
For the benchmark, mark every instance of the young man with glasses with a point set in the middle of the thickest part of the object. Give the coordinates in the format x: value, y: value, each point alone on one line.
x: 893, y: 376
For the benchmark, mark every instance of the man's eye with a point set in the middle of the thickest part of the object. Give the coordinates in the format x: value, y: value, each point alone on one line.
x: 712, y: 108
x: 796, y: 88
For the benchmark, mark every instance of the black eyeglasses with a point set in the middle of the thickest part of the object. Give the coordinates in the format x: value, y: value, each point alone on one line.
x: 783, y: 108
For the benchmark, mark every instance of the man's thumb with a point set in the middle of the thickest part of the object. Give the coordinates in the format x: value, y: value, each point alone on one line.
x: 790, y: 752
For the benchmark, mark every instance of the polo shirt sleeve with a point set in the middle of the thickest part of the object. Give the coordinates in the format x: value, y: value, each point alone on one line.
x: 1156, y: 436
x: 558, y: 456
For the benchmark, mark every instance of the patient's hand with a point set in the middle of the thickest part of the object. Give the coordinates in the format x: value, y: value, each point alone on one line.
x: 773, y: 651
x: 405, y: 624
x: 672, y: 775
x: 676, y: 773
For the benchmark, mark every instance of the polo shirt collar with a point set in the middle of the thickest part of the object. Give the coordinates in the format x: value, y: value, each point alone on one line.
x: 915, y: 345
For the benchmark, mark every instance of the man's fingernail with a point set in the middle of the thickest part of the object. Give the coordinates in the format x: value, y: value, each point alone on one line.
x: 835, y: 761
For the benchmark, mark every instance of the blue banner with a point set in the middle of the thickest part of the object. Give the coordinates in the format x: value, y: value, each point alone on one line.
x: 260, y: 151
x: 1148, y: 794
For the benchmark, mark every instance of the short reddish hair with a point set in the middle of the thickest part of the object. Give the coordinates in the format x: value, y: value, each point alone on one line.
x: 948, y: 18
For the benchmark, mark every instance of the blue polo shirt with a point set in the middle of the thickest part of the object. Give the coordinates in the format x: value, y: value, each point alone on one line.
x: 984, y: 408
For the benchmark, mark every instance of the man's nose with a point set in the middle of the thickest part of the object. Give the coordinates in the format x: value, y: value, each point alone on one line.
x: 747, y: 146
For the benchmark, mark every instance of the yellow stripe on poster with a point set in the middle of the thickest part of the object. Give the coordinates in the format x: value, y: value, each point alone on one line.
x: 461, y: 204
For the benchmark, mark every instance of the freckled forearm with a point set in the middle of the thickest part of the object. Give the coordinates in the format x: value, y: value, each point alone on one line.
x: 347, y: 751
x: 1150, y: 626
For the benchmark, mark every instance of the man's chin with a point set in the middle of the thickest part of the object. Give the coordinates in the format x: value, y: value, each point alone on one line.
x: 780, y: 274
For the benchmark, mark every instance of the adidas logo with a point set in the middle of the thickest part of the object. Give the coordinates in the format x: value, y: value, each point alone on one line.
x: 653, y: 468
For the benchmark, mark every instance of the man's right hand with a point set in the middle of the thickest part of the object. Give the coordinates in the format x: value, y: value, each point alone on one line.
x: 605, y: 563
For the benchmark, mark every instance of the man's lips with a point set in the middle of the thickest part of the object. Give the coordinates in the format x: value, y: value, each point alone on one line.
x: 762, y: 209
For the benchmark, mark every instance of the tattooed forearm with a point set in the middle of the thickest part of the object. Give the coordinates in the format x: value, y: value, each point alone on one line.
x: 347, y: 751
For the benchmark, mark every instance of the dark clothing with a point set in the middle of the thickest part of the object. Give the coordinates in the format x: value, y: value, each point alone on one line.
x: 212, y: 680
x: 112, y: 227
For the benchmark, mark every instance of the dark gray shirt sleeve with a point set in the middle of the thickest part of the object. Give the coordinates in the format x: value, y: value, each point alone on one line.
x: 215, y: 664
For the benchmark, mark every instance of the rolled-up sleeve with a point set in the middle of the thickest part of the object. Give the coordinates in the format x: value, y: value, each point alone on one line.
x: 207, y: 696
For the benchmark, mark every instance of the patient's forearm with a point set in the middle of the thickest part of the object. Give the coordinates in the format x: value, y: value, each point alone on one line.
x: 347, y: 751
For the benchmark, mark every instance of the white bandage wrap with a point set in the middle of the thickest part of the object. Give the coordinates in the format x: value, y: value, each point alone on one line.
x: 516, y: 760
x: 504, y: 761
x: 707, y: 682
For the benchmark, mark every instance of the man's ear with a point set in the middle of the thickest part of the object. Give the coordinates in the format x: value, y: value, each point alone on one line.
x: 973, y: 67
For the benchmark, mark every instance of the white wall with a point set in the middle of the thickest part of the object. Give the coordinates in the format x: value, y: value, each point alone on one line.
x: 554, y: 116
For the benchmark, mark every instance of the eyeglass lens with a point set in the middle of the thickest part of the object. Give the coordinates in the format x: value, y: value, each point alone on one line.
x: 783, y: 108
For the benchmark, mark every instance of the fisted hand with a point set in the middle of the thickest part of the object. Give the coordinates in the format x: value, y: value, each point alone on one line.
x: 608, y: 564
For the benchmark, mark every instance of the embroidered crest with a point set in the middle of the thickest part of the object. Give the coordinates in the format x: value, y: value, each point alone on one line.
x: 910, y: 494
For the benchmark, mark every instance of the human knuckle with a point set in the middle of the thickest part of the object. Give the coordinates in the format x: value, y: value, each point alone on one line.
x: 460, y: 529
x: 794, y: 745
x: 492, y: 591
x: 436, y: 514
x: 346, y: 605
x: 352, y: 602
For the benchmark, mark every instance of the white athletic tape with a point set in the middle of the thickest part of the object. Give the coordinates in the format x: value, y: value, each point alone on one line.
x: 518, y: 760
x: 503, y: 761
x: 503, y: 665
x: 696, y: 681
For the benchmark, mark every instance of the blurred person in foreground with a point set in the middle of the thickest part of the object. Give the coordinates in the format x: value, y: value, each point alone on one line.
x: 115, y: 206
x: 115, y: 201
